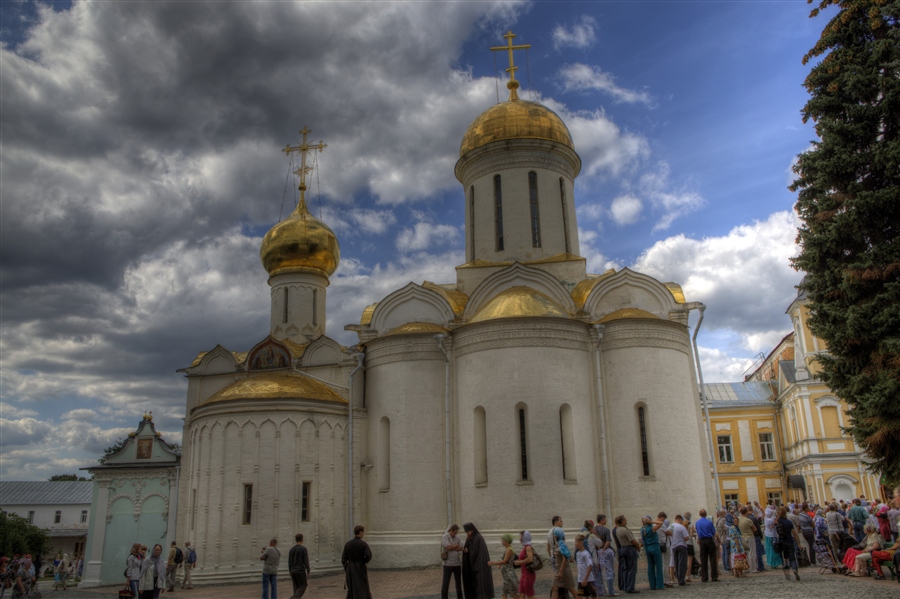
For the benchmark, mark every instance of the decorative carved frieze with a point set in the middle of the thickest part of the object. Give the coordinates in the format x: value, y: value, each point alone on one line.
x: 522, y: 333
x: 402, y: 349
x: 520, y: 158
x: 654, y: 334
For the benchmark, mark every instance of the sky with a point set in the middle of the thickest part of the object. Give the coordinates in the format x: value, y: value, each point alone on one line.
x: 141, y: 164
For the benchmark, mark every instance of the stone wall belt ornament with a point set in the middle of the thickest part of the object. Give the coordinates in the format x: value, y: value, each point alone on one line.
x: 521, y: 159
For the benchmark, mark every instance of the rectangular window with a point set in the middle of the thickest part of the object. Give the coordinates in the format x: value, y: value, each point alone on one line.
x: 193, y: 508
x: 248, y: 504
x: 472, y: 222
x: 58, y: 517
x: 645, y: 454
x: 498, y: 212
x: 284, y: 317
x: 523, y: 445
x: 84, y: 516
x: 726, y: 451
x: 535, y: 217
x: 774, y: 497
x: 766, y: 447
x: 304, y: 501
x: 31, y: 517
x: 79, y: 548
x: 731, y: 497
x: 565, y: 213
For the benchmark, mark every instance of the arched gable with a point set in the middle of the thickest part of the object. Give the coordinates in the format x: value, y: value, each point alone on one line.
x: 519, y: 275
x: 218, y: 361
x: 412, y: 303
x: 629, y: 289
x: 269, y: 354
x: 323, y: 351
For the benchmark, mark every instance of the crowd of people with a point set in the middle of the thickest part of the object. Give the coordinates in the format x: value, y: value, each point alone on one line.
x: 739, y: 540
x: 149, y: 575
x: 19, y: 574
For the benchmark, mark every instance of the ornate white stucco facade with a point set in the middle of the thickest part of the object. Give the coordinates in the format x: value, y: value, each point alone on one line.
x: 524, y: 389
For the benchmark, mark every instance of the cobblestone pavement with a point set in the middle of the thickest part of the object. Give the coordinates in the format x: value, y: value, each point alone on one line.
x: 425, y: 584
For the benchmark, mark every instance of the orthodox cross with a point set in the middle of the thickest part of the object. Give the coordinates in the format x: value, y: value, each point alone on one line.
x: 303, y: 149
x: 512, y: 85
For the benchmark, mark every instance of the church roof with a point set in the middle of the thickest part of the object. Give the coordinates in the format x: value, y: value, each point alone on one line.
x: 515, y: 119
x: 275, y: 385
x: 14, y: 492
x: 519, y: 302
x: 725, y: 395
x: 789, y: 370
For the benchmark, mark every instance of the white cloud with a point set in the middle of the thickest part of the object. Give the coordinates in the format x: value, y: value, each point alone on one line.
x: 626, y: 209
x: 580, y: 35
x: 582, y: 77
x: 673, y: 203
x: 721, y: 367
x: 596, y: 262
x: 745, y: 277
x: 426, y: 235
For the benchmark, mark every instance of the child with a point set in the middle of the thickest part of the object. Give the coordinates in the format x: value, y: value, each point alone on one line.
x: 585, y: 568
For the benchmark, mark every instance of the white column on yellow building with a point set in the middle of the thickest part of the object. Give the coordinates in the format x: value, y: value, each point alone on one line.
x: 810, y: 430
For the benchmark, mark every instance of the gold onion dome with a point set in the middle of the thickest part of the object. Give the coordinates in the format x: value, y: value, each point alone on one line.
x: 300, y: 243
x: 519, y: 302
x: 515, y: 119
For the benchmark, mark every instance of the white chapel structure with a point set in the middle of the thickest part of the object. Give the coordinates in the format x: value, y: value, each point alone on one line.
x: 524, y: 389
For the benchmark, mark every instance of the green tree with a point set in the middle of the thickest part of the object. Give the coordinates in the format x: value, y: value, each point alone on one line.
x: 66, y: 477
x: 849, y: 204
x: 18, y: 536
x: 117, y: 446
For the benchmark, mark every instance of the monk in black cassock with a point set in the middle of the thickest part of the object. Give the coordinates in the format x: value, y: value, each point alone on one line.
x: 354, y: 559
x: 478, y: 582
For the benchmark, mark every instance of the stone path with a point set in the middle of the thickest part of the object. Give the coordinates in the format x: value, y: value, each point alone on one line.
x: 425, y: 584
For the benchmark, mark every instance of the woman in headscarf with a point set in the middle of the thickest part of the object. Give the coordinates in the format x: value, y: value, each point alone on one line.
x: 526, y: 558
x: 824, y: 550
x: 738, y: 554
x: 773, y: 558
x: 507, y: 568
x: 153, y: 574
x: 873, y: 542
x: 63, y: 568
x: 477, y: 580
x: 563, y: 577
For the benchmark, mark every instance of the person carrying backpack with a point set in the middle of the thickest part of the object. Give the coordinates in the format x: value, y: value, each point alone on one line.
x: 172, y: 563
x: 190, y: 562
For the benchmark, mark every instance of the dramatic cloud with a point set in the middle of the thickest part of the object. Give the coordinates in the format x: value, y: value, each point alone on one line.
x: 581, y: 77
x: 580, y: 35
x: 626, y: 209
x: 426, y: 235
x: 672, y: 203
x: 744, y: 277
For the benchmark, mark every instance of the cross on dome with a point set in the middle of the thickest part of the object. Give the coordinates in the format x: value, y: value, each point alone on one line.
x: 303, y: 149
x: 512, y: 85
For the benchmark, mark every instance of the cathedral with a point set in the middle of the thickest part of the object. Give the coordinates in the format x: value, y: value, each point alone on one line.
x: 526, y: 388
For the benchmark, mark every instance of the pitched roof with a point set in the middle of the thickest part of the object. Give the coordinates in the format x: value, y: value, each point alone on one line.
x: 733, y: 394
x: 789, y: 370
x: 14, y: 492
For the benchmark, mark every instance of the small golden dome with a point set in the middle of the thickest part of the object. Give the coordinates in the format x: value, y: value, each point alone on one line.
x: 515, y: 119
x: 519, y: 302
x: 276, y: 385
x: 300, y: 243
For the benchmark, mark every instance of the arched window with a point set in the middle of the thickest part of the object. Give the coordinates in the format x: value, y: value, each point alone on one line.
x: 567, y: 442
x: 565, y: 213
x: 481, y: 471
x: 831, y: 422
x: 384, y: 454
x: 535, y: 216
x: 645, y: 445
x: 522, y: 438
x: 498, y: 212
x: 315, y: 307
x: 285, y: 319
x: 472, y: 222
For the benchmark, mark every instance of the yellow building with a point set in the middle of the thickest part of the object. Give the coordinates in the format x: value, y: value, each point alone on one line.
x: 778, y: 436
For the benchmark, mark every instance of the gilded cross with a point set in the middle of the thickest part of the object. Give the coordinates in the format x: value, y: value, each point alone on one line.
x: 512, y: 85
x: 303, y: 149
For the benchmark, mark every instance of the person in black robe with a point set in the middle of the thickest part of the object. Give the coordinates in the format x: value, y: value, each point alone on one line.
x: 354, y: 559
x: 478, y: 581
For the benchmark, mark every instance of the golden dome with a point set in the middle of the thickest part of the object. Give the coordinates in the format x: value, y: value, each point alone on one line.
x: 515, y: 119
x: 300, y: 243
x: 276, y: 385
x: 519, y: 302
x: 628, y: 313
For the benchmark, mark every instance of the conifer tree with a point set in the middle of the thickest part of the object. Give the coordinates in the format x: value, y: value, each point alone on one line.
x: 849, y: 205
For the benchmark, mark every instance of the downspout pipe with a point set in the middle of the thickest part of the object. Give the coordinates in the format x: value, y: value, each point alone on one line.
x: 360, y: 356
x: 604, y: 458
x: 440, y: 341
x: 702, y: 308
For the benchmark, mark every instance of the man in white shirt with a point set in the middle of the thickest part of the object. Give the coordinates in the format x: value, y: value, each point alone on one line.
x: 680, y: 539
x: 585, y: 568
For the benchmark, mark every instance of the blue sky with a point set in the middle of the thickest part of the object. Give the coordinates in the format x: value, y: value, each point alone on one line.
x: 141, y: 165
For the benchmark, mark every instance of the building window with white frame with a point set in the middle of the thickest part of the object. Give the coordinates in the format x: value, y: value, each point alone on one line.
x: 726, y: 450
x: 731, y: 497
x: 84, y: 514
x: 774, y: 497
x: 766, y: 447
x: 31, y: 517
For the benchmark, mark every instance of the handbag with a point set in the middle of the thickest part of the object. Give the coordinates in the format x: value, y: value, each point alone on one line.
x: 126, y: 593
x: 536, y: 562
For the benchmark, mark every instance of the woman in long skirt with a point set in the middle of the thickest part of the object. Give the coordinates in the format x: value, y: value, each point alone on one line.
x: 773, y: 558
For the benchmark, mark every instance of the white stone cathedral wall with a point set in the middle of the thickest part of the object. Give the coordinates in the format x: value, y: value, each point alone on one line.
x: 405, y: 383
x: 542, y: 364
x: 648, y: 363
x: 274, y: 450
